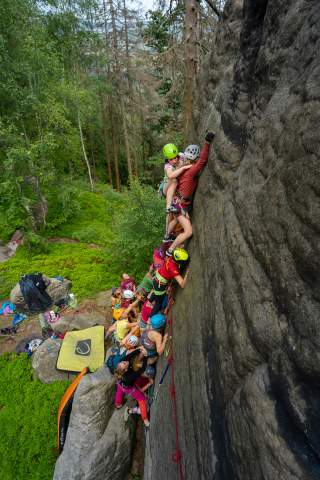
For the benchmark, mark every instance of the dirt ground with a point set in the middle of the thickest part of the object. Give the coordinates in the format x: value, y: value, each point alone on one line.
x: 31, y: 326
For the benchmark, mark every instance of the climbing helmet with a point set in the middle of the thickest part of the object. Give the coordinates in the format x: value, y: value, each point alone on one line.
x: 192, y: 152
x: 170, y: 151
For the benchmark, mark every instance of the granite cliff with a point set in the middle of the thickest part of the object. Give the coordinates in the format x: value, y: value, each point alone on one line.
x: 246, y: 327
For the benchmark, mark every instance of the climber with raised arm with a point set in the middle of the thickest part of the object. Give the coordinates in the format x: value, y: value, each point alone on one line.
x: 187, y: 184
x: 127, y: 376
x: 171, y: 269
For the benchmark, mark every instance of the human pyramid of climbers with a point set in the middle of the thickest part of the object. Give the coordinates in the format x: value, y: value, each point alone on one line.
x: 139, y: 312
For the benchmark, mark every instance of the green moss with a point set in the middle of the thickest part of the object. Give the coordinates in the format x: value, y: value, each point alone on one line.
x: 93, y: 221
x: 28, y: 421
x: 89, y: 269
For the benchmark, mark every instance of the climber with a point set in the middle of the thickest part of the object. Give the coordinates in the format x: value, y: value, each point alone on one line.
x: 152, y: 338
x: 127, y: 297
x: 172, y: 169
x: 127, y: 283
x: 169, y: 270
x: 116, y: 296
x: 187, y: 183
x: 120, y: 329
x: 143, y: 383
x: 127, y: 377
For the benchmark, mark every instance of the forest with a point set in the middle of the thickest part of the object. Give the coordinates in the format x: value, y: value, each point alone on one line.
x: 90, y: 91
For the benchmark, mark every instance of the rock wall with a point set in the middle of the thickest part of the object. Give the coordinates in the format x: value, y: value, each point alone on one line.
x: 246, y: 327
x: 98, y: 443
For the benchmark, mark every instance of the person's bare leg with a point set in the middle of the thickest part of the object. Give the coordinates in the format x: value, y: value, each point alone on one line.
x: 187, y: 232
x: 171, y: 225
x: 170, y: 191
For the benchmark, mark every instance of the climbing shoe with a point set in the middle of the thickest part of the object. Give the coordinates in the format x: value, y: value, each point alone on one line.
x: 169, y: 238
x: 173, y: 209
x: 169, y: 253
x: 166, y: 239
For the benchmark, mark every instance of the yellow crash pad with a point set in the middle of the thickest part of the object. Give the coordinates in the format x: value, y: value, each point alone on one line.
x: 81, y: 349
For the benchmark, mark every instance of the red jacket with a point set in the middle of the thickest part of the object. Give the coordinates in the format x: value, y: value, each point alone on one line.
x: 188, y: 180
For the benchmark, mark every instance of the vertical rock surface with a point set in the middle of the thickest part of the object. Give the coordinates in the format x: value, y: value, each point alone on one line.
x: 98, y: 442
x: 247, y: 325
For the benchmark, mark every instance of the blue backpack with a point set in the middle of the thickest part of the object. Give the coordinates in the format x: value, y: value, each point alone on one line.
x: 114, y: 360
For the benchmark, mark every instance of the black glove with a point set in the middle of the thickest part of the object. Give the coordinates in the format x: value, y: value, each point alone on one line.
x: 209, y: 137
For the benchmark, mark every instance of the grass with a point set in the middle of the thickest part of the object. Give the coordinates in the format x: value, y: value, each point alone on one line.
x: 90, y: 269
x: 28, y: 421
x: 124, y: 228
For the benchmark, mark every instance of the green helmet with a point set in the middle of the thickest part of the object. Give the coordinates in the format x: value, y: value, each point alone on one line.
x: 170, y: 151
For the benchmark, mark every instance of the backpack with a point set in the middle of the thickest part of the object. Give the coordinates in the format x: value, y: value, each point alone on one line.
x: 114, y: 360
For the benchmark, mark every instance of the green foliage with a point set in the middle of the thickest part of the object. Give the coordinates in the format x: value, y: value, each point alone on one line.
x: 139, y: 228
x: 90, y: 223
x: 28, y: 421
x: 89, y: 269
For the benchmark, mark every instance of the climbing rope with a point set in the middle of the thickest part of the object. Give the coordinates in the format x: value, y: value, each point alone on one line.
x: 176, y: 456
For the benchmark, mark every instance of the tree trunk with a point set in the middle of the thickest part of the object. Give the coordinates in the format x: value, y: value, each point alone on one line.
x: 191, y: 61
x: 105, y: 141
x: 115, y: 147
x: 120, y: 88
x: 84, y: 151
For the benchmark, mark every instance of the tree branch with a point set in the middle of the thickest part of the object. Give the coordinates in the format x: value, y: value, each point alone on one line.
x: 213, y: 7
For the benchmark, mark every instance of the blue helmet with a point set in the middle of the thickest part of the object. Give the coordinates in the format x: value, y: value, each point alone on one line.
x: 158, y: 320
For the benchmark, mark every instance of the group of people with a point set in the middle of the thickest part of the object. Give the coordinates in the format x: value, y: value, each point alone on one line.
x: 139, y: 311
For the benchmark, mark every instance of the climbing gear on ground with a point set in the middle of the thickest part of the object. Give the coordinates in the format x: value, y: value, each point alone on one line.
x: 33, y: 290
x: 192, y: 152
x: 210, y: 137
x: 170, y: 151
x: 180, y: 255
x: 158, y: 320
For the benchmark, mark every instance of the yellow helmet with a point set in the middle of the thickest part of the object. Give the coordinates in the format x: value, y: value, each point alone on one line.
x: 180, y: 255
x: 117, y: 312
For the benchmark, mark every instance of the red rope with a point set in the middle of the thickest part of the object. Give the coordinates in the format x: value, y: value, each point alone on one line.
x: 176, y: 456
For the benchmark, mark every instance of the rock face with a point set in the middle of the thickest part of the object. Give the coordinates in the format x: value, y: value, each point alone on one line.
x: 246, y: 327
x: 98, y: 443
x: 44, y: 361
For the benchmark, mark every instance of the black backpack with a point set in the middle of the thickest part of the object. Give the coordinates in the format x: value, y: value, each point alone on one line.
x: 33, y: 289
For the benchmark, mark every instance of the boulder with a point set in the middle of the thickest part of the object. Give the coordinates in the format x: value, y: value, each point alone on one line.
x: 77, y: 320
x: 98, y: 442
x: 44, y: 362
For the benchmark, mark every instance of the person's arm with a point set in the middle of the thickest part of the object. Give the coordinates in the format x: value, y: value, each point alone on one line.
x: 111, y: 329
x: 132, y: 354
x: 160, y: 342
x: 143, y: 389
x: 171, y: 174
x: 180, y: 280
x: 126, y: 312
